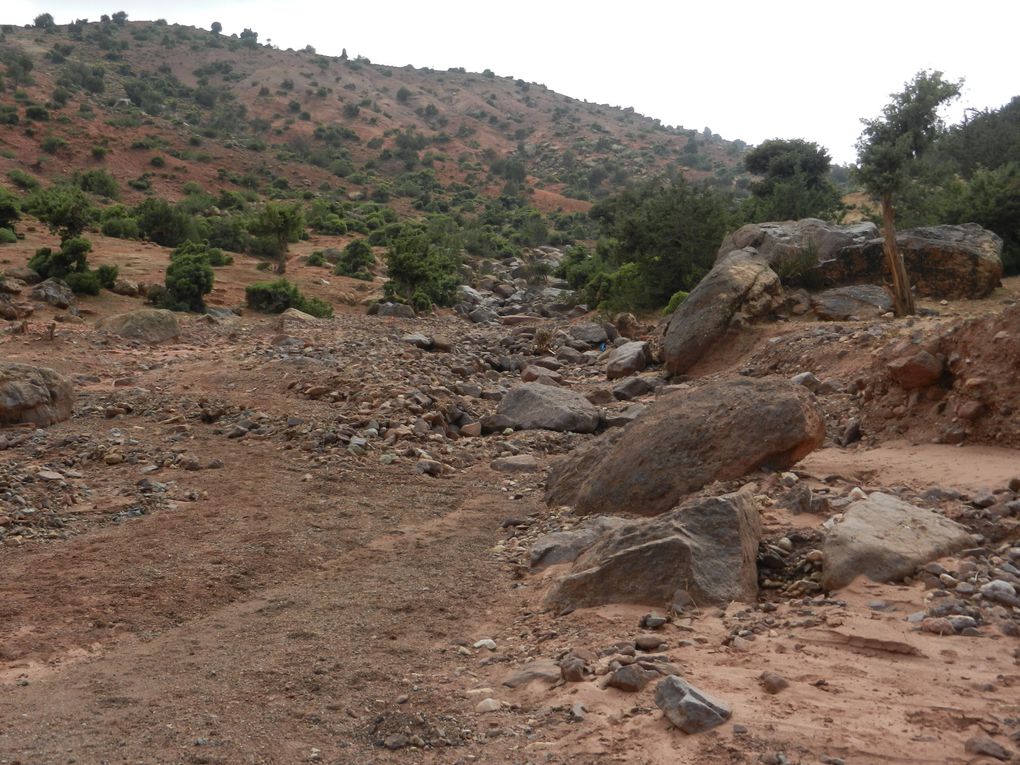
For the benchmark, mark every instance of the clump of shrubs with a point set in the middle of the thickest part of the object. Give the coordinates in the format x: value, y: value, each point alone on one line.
x: 356, y: 260
x: 279, y: 295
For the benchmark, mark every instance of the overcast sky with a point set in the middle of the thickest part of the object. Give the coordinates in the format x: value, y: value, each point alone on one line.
x: 748, y: 70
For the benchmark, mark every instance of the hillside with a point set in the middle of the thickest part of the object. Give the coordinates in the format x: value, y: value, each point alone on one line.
x: 160, y: 105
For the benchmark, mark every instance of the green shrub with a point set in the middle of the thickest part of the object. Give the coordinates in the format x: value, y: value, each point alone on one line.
x: 214, y: 255
x: 7, y: 236
x: 117, y: 221
x: 189, y: 278
x: 355, y: 260
x: 277, y: 296
x: 423, y: 266
x: 107, y: 275
x: 316, y: 259
x: 83, y: 282
x: 98, y: 182
x: 37, y: 113
x: 164, y: 223
x: 51, y: 144
x: 23, y: 180
x: 674, y: 302
x: 99, y: 153
x: 10, y: 209
x: 72, y: 257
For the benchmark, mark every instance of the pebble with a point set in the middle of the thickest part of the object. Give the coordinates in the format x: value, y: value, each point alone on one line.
x: 773, y: 683
x: 648, y: 642
x: 486, y: 643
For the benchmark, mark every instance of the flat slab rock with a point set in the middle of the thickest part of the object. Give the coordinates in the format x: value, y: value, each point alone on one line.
x: 536, y: 406
x: 544, y: 670
x: 687, y: 439
x: 886, y: 539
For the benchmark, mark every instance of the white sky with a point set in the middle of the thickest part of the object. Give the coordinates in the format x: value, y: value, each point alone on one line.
x: 748, y: 70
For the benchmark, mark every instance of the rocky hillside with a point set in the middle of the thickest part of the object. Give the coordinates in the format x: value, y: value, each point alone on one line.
x: 161, y: 105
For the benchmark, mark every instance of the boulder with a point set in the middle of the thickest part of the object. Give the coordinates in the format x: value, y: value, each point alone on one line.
x: 687, y: 439
x: 627, y: 359
x: 688, y: 707
x: 393, y: 310
x: 589, y: 334
x: 962, y: 261
x: 565, y: 546
x: 126, y: 287
x: 740, y: 288
x: 299, y: 316
x: 704, y: 550
x: 853, y: 302
x: 23, y: 273
x: 536, y: 406
x: 36, y: 395
x: 793, y: 244
x: 917, y: 371
x: 54, y: 292
x: 150, y: 325
x: 886, y: 539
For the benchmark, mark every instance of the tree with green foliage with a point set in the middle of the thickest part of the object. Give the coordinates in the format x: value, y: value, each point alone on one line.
x: 887, y: 151
x: 216, y: 27
x: 65, y: 209
x: 10, y: 209
x: 793, y: 181
x: 423, y: 264
x: 189, y: 278
x: 71, y: 258
x: 166, y: 224
x: 44, y: 21
x: 277, y: 296
x: 249, y: 38
x: 279, y: 224
x: 120, y: 18
x: 355, y: 260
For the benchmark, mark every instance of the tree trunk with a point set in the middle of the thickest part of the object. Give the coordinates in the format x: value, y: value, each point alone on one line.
x: 903, y: 298
x: 281, y: 260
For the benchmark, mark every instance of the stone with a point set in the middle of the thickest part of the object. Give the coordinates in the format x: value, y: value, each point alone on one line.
x: 518, y: 463
x: 482, y: 315
x: 23, y: 274
x: 687, y: 439
x: 963, y: 261
x: 486, y: 706
x: 299, y: 316
x: 885, y: 539
x: 626, y: 416
x: 592, y: 335
x: 786, y: 243
x: 704, y: 550
x: 918, y: 370
x: 688, y: 707
x: 631, y: 678
x: 36, y: 395
x: 543, y: 670
x: 856, y: 302
x: 807, y: 379
x: 150, y: 325
x: 627, y: 359
x: 632, y: 387
x: 54, y: 292
x: 395, y: 310
x: 126, y: 287
x: 648, y: 642
x: 564, y: 546
x: 418, y: 340
x: 573, y: 669
x: 536, y: 406
x: 429, y: 467
x: 1000, y: 591
x: 535, y: 373
x: 471, y: 429
x: 773, y: 683
x: 740, y: 288
x: 986, y: 746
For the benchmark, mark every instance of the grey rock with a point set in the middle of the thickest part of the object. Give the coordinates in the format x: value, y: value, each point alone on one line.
x: 518, y: 463
x: 627, y: 359
x: 395, y: 310
x: 858, y: 302
x: 536, y: 406
x: 36, y: 395
x: 631, y: 678
x: 984, y: 745
x: 625, y: 416
x: 54, y: 292
x: 632, y: 387
x: 565, y: 546
x: 705, y: 549
x: 687, y: 439
x: 589, y: 334
x: 886, y: 539
x: 482, y: 315
x: 543, y: 670
x: 150, y: 325
x: 688, y: 707
x: 739, y: 289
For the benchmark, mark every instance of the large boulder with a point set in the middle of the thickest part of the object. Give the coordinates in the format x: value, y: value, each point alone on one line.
x: 789, y: 244
x: 150, y: 325
x: 536, y: 406
x: 687, y: 439
x: 739, y: 289
x: 627, y: 359
x: 54, y: 292
x: 942, y: 261
x: 886, y: 539
x: 705, y: 550
x: 855, y: 301
x: 37, y: 395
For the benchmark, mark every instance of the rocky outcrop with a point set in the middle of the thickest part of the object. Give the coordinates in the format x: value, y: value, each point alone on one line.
x: 545, y: 407
x: 150, y: 325
x: 36, y: 395
x: 703, y: 551
x: 963, y: 261
x: 886, y: 539
x: 856, y: 302
x: 54, y: 292
x: 686, y: 440
x: 740, y: 288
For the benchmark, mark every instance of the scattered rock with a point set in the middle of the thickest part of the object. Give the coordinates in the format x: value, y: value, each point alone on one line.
x: 541, y: 669
x: 631, y: 678
x: 54, y: 292
x: 886, y: 539
x: 689, y: 708
x: 534, y: 405
x: 150, y: 325
x: 627, y: 359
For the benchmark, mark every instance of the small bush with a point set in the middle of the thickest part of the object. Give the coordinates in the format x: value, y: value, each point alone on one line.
x: 214, y: 255
x: 355, y: 260
x: 7, y: 236
x: 107, y: 275
x: 23, y: 180
x: 37, y: 113
x: 277, y: 296
x: 674, y: 302
x: 83, y: 282
x: 189, y: 278
x: 316, y: 259
x: 72, y: 257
